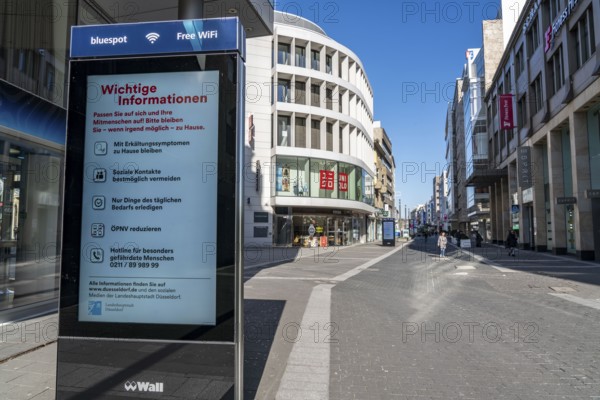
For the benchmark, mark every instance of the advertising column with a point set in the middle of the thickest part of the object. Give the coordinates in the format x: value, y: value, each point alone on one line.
x: 138, y: 266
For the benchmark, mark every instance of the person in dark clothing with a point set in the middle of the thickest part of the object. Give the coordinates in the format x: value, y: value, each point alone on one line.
x: 478, y: 239
x: 511, y: 243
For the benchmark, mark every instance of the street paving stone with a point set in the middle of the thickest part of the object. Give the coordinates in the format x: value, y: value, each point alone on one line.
x: 414, y: 330
x: 406, y: 327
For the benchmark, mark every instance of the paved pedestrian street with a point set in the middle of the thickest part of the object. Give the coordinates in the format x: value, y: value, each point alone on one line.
x: 373, y: 322
x: 417, y: 327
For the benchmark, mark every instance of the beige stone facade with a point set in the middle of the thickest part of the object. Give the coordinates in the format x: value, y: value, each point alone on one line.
x: 551, y: 67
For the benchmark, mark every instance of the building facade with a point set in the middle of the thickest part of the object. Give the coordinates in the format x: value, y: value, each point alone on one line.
x: 385, y: 168
x: 457, y: 164
x: 551, y: 157
x: 310, y: 151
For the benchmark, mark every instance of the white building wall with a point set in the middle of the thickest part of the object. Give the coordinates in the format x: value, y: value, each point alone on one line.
x: 355, y: 119
x: 258, y: 105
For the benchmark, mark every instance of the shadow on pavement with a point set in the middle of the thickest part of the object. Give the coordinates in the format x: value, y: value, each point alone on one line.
x: 261, y: 319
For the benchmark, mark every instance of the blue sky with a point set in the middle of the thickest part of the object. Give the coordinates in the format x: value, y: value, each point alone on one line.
x: 412, y: 52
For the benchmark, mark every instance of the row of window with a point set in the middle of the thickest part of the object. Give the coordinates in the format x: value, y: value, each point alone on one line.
x: 303, y: 137
x: 299, y: 59
x: 310, y: 177
x: 582, y: 41
x: 582, y: 34
x: 284, y: 58
x: 335, y: 98
x: 297, y: 94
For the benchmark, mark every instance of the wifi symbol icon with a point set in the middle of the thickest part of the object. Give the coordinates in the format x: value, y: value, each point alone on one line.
x: 152, y: 37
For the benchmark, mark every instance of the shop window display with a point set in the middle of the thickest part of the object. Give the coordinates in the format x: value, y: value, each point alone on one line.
x: 29, y: 224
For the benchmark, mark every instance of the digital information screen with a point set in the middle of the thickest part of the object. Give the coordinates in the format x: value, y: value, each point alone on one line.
x: 149, y: 226
x: 388, y: 230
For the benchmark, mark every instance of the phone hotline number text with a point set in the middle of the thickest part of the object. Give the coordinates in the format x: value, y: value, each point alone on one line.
x: 117, y: 264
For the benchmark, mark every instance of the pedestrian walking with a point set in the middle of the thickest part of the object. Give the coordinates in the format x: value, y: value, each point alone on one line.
x: 442, y: 243
x: 511, y: 243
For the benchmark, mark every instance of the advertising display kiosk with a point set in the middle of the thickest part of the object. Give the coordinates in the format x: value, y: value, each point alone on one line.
x: 389, y: 231
x: 151, y: 271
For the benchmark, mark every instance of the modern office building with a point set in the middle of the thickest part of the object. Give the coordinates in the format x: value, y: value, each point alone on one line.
x: 34, y: 48
x: 548, y: 78
x: 478, y: 175
x: 310, y: 152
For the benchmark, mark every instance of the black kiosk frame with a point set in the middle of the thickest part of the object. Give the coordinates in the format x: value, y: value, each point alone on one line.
x: 120, y: 334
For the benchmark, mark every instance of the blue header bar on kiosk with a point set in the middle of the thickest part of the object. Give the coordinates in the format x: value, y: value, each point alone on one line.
x: 149, y: 38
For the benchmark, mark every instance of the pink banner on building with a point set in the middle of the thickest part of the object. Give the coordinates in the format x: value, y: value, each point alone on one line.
x: 507, y: 113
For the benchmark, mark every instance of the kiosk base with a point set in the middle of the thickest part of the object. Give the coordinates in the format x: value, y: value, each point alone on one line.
x: 148, y: 369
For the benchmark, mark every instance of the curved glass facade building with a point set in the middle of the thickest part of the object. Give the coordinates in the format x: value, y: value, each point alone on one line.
x: 310, y: 147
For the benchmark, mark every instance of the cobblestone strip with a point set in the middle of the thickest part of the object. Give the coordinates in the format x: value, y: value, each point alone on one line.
x: 584, y: 302
x: 306, y: 373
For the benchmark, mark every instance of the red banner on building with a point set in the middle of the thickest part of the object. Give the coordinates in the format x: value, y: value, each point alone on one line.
x: 343, y: 182
x: 507, y: 112
x: 327, y: 180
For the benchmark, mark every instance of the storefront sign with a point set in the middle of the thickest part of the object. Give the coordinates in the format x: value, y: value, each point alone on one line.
x: 524, y: 167
x: 566, y: 200
x: 558, y: 23
x: 343, y: 182
x: 592, y: 194
x: 528, y: 195
x: 507, y: 115
x: 327, y: 180
x: 531, y: 16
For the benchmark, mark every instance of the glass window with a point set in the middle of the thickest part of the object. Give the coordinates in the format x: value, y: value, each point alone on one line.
x: 315, y: 95
x: 315, y: 60
x: 329, y: 137
x: 300, y: 92
x: 583, y: 34
x: 315, y: 134
x: 536, y: 95
x: 283, y: 54
x: 329, y: 64
x: 33, y: 49
x: 30, y: 193
x: 286, y: 182
x: 519, y: 62
x: 283, y: 131
x: 283, y: 91
x: 329, y: 98
x: 556, y: 70
x: 533, y: 37
x: 521, y: 112
x: 316, y: 166
x: 508, y: 81
x: 300, y: 132
x: 304, y: 182
x: 347, y: 181
x: 553, y: 9
x: 300, y: 57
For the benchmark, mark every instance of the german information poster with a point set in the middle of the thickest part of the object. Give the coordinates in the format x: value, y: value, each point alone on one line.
x: 150, y: 199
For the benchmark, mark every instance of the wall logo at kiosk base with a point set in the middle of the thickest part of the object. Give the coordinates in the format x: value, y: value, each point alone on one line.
x: 156, y: 387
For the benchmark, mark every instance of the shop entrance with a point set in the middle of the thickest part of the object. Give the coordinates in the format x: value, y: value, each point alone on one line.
x: 322, y: 230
